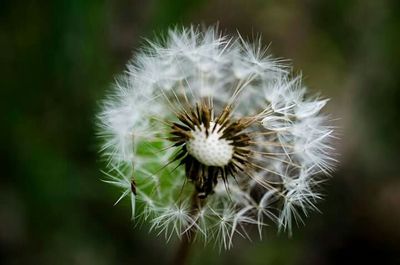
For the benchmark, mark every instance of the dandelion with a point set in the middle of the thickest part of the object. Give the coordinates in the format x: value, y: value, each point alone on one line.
x: 209, y: 133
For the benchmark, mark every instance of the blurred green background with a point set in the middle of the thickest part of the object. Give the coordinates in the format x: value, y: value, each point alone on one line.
x: 59, y: 57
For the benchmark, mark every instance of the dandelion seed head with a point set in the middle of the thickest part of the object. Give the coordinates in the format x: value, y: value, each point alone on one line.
x: 210, y: 132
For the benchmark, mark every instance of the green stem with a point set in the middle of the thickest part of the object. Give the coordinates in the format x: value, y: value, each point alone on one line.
x: 182, y: 254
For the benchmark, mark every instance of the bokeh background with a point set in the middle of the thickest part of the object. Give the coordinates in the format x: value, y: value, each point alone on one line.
x: 59, y: 57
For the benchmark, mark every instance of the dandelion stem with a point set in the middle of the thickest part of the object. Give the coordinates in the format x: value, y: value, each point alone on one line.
x: 182, y: 254
x: 181, y: 257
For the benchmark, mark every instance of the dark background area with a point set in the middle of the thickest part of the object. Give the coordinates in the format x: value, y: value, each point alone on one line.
x: 59, y: 57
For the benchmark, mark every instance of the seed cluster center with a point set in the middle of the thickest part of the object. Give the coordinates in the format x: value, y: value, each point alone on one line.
x: 208, y: 146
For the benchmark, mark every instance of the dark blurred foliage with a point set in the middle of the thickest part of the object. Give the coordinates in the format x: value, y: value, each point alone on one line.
x: 57, y: 61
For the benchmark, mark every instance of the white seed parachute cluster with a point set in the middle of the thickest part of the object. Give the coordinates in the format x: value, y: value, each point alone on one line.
x: 288, y: 139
